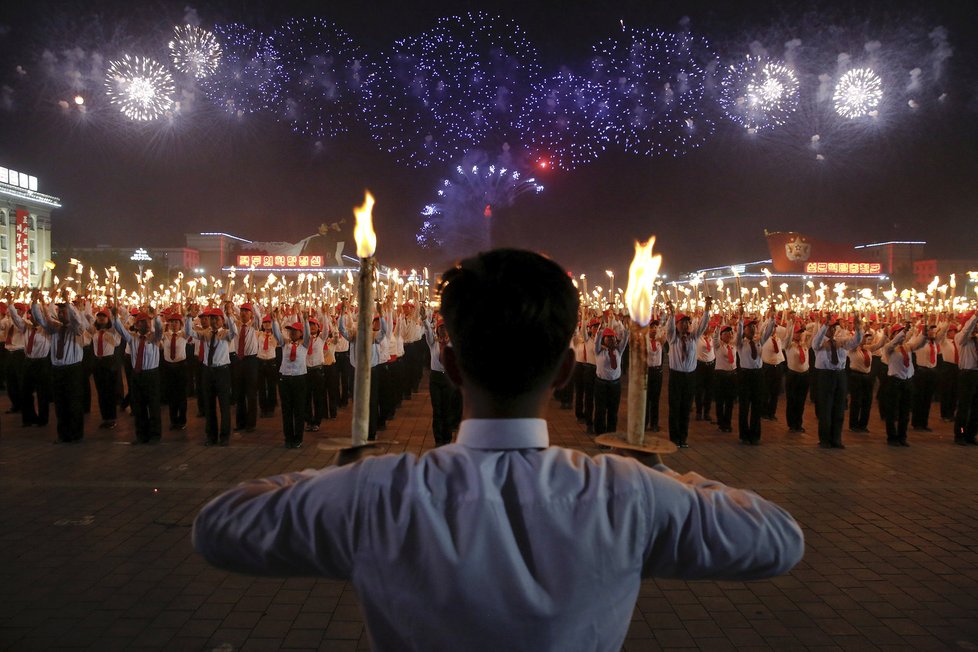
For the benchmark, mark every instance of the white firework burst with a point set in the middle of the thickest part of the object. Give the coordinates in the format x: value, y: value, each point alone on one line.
x: 141, y: 88
x: 858, y: 94
x: 759, y: 93
x: 195, y: 51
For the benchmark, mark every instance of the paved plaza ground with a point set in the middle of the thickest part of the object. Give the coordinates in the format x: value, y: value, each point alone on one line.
x: 95, y: 543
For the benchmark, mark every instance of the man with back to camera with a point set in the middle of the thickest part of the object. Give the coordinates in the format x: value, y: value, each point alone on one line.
x: 499, y: 541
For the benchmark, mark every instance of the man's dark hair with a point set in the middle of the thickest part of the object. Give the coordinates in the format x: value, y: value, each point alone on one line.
x: 491, y: 298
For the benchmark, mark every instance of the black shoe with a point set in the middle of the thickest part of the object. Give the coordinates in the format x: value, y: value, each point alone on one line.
x: 682, y: 445
x: 210, y: 442
x: 822, y: 444
x: 755, y: 442
x: 297, y: 444
x: 590, y: 430
x: 971, y: 442
x: 960, y: 442
x: 903, y: 442
x: 842, y: 446
x: 655, y: 428
x: 892, y: 442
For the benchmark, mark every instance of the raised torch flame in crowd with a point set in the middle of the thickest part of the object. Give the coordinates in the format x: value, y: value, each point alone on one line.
x: 366, y: 241
x: 639, y: 296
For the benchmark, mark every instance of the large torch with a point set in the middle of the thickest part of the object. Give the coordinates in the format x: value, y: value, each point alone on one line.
x: 366, y: 241
x: 639, y: 296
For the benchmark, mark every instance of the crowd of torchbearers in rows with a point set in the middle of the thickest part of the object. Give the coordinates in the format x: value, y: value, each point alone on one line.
x: 297, y: 358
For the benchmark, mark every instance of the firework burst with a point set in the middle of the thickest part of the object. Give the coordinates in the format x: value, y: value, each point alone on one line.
x: 759, y: 93
x: 858, y: 94
x: 323, y: 77
x: 460, y: 218
x: 243, y: 82
x: 567, y: 120
x: 141, y: 88
x: 194, y: 51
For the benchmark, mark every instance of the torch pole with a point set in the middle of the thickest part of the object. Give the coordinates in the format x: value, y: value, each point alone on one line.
x: 364, y: 346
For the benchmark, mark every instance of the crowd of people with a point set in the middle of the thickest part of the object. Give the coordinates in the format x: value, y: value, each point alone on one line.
x: 722, y: 360
x: 293, y: 359
x: 297, y: 360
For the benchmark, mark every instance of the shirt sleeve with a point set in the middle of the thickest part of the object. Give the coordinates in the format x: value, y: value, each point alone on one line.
x: 705, y: 529
x: 295, y: 524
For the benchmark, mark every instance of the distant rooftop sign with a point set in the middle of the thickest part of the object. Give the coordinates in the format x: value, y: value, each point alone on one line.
x: 226, y: 235
x: 24, y: 186
x: 140, y: 255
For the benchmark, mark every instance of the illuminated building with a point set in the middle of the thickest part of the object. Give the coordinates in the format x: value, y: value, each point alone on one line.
x: 25, y: 228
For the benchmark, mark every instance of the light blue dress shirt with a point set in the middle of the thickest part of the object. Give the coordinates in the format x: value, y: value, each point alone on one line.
x: 497, y: 542
x: 291, y: 367
x: 823, y: 349
x: 71, y: 333
x: 151, y: 350
x: 682, y: 355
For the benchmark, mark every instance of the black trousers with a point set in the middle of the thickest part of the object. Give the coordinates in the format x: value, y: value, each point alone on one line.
x: 966, y: 418
x: 652, y: 397
x: 795, y: 395
x: 725, y: 393
x: 88, y: 367
x: 831, y: 405
x: 750, y: 382
x: 315, y: 395
x: 444, y: 405
x: 947, y: 382
x: 924, y: 385
x: 292, y: 392
x: 346, y: 377
x: 199, y: 368
x: 268, y: 378
x: 68, y: 401
x: 16, y: 360
x: 584, y: 392
x: 106, y: 374
x: 216, y: 385
x: 879, y: 372
x: 704, y: 388
x: 682, y: 386
x: 174, y: 380
x: 899, y: 398
x: 860, y: 399
x: 145, y: 394
x: 414, y: 365
x: 386, y: 391
x: 773, y: 377
x: 331, y: 377
x: 36, y: 380
x: 245, y: 391
x: 607, y: 398
x: 3, y: 365
x: 191, y: 369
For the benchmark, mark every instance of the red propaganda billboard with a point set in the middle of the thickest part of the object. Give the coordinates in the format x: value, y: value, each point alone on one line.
x: 246, y: 261
x: 797, y: 253
x: 22, y: 249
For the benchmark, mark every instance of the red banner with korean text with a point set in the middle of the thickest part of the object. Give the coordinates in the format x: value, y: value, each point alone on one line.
x: 261, y: 261
x: 797, y: 253
x: 22, y: 249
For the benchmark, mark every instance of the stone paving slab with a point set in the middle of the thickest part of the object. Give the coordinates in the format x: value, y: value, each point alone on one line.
x: 95, y: 543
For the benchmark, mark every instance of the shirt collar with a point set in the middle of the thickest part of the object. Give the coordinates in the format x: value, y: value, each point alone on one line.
x: 502, y: 434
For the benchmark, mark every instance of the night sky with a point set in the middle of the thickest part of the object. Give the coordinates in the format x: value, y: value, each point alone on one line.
x: 914, y: 178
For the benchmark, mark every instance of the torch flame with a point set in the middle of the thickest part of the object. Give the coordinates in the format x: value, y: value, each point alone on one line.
x: 363, y: 232
x: 641, y: 282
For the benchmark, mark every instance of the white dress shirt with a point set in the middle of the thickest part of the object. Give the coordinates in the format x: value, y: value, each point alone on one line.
x: 497, y: 542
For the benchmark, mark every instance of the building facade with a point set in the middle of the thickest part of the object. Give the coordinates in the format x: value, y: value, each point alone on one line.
x: 25, y: 228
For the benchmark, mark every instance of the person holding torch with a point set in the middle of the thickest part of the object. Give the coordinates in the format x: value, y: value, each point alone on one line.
x: 437, y: 546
